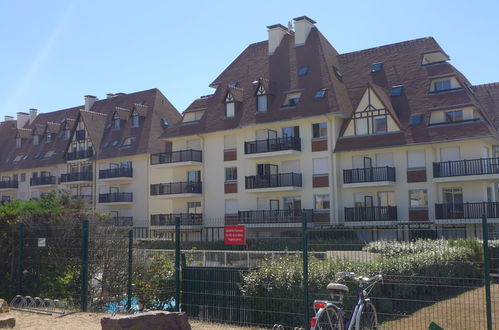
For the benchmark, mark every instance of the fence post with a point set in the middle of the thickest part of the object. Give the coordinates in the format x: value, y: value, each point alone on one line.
x: 177, y: 264
x: 20, y: 264
x: 130, y: 270
x: 485, y: 229
x: 306, y: 314
x: 84, y: 268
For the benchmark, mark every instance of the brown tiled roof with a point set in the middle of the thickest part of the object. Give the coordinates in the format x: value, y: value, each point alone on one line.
x: 53, y: 128
x: 122, y: 113
x: 141, y: 109
x: 24, y: 133
x: 488, y: 96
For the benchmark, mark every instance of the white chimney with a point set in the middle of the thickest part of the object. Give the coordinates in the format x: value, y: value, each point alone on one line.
x: 276, y: 33
x: 22, y: 119
x: 303, y: 25
x: 32, y: 115
x: 89, y: 102
x: 110, y: 95
x: 9, y: 118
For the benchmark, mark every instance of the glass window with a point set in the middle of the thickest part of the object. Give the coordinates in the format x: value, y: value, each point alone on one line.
x: 49, y: 137
x: 293, y: 131
x: 128, y: 141
x: 361, y: 126
x: 376, y: 67
x: 23, y: 177
x: 320, y: 94
x: 291, y: 100
x: 442, y: 85
x: 18, y: 143
x: 193, y: 207
x: 194, y: 176
x: 418, y: 198
x: 380, y: 125
x: 396, y: 90
x: 416, y: 119
x: 451, y: 116
x: 67, y: 134
x: 303, y: 70
x: 261, y: 96
x: 192, y: 116
x: 231, y: 174
x: 229, y: 110
x: 292, y: 203
x: 117, y: 123
x: 321, y: 202
x: 135, y: 120
x: 452, y: 195
x: 319, y: 130
x: 36, y: 140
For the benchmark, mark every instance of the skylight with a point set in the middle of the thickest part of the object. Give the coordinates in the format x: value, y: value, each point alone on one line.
x: 233, y: 84
x: 416, y: 119
x: 396, y: 90
x: 115, y: 143
x: 303, y: 70
x: 37, y: 155
x: 164, y: 122
x: 338, y: 74
x: 376, y: 67
x: 128, y: 141
x: 291, y: 100
x: 106, y: 144
x: 320, y: 94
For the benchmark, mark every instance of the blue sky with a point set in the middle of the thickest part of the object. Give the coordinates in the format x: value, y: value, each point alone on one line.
x: 55, y: 52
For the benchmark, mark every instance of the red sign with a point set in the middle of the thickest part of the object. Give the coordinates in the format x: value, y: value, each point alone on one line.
x: 235, y: 235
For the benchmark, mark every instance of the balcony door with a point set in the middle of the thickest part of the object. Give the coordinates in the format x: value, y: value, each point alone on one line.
x: 267, y: 174
x: 193, y: 176
x: 453, y: 202
x: 114, y: 190
x: 293, y: 131
x: 266, y: 134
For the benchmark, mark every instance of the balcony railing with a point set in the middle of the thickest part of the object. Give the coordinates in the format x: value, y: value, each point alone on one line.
x: 116, y: 197
x: 121, y: 172
x: 373, y: 213
x: 78, y: 176
x: 278, y: 144
x: 81, y: 154
x: 169, y: 219
x: 176, y: 188
x: 467, y: 210
x: 43, y: 180
x: 119, y: 221
x: 369, y: 174
x: 177, y: 156
x: 466, y: 167
x: 272, y: 216
x: 11, y: 184
x: 273, y: 181
x: 80, y: 134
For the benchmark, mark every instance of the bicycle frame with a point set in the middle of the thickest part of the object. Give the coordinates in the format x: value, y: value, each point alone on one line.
x: 360, y: 298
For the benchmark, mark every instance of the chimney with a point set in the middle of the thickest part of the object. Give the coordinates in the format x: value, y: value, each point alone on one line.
x: 89, y: 102
x: 276, y: 33
x: 303, y: 25
x: 22, y: 119
x: 9, y: 118
x: 32, y: 115
x: 110, y: 95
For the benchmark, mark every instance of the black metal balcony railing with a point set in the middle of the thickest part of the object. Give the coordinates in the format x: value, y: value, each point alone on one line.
x: 278, y: 144
x: 373, y: 213
x: 177, y: 156
x: 80, y: 134
x: 78, y: 176
x: 273, y: 181
x: 80, y: 154
x: 466, y: 167
x: 467, y: 210
x: 119, y: 221
x: 43, y: 180
x: 272, y: 216
x: 116, y: 197
x: 169, y: 219
x: 121, y: 172
x: 370, y: 174
x: 11, y: 184
x: 176, y: 188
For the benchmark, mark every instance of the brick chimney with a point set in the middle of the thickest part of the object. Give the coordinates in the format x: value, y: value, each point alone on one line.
x: 303, y: 25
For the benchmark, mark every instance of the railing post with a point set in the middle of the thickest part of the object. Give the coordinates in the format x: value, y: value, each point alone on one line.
x: 306, y: 314
x: 84, y: 268
x: 177, y: 264
x: 20, y: 263
x: 486, y: 271
x: 130, y: 270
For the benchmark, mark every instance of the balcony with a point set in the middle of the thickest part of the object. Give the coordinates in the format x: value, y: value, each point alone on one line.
x: 80, y: 135
x: 116, y: 198
x: 43, y: 181
x: 274, y: 182
x: 119, y: 221
x: 116, y: 174
x: 79, y: 155
x: 75, y: 177
x: 466, y: 170
x: 269, y: 217
x: 284, y: 146
x: 177, y: 158
x: 186, y: 219
x: 369, y: 214
x: 9, y: 185
x: 466, y: 211
x: 369, y: 177
x: 176, y: 189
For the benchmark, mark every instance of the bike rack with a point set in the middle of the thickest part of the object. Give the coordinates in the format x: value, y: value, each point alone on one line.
x: 38, y: 305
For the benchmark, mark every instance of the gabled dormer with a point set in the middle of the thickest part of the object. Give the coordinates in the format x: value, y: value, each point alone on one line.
x: 434, y: 57
x: 262, y: 99
x: 374, y: 115
x: 139, y: 112
x: 454, y: 115
x: 442, y: 84
x: 80, y: 146
x: 233, y: 96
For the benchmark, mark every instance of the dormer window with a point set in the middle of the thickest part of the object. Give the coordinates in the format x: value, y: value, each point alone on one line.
x: 261, y: 99
x: 434, y: 58
x: 453, y: 116
x: 376, y: 67
x: 291, y: 100
x: 18, y: 142
x: 192, y: 116
x: 444, y: 84
x: 135, y: 120
x: 441, y: 85
x: 67, y: 134
x: 36, y: 140
x: 230, y: 106
x: 396, y: 90
x: 116, y: 122
x: 48, y: 138
x: 128, y: 141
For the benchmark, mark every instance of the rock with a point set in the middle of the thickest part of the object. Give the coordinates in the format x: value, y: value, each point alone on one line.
x: 4, y: 307
x: 7, y: 321
x: 157, y: 320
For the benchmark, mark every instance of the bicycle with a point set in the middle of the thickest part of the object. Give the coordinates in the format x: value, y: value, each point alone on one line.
x: 330, y: 314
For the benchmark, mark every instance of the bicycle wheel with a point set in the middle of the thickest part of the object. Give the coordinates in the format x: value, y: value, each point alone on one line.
x: 367, y: 319
x: 329, y: 318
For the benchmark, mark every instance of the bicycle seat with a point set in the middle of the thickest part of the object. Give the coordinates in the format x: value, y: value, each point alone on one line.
x: 337, y: 287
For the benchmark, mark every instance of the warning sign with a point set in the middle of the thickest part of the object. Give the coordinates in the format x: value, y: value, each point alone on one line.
x: 235, y: 235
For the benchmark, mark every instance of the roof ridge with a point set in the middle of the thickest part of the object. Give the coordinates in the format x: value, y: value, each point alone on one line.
x: 384, y: 47
x: 493, y: 84
x: 95, y: 112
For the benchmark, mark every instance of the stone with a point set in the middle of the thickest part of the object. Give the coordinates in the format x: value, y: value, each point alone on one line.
x: 4, y: 307
x: 7, y: 321
x: 157, y: 320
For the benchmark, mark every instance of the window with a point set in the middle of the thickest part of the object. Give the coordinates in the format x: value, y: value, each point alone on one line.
x: 418, y: 198
x: 416, y: 159
x: 416, y: 119
x: 303, y: 71
x: 320, y: 94
x: 338, y: 74
x: 67, y: 133
x: 321, y: 165
x: 192, y: 116
x: 128, y: 141
x: 319, y: 130
x: 361, y: 126
x: 380, y: 125
x: 116, y: 122
x: 396, y: 90
x: 292, y: 203
x: 442, y: 85
x: 194, y: 176
x: 233, y: 84
x: 230, y: 174
x: 135, y: 120
x: 261, y: 99
x: 48, y: 138
x: 452, y: 195
x: 23, y: 177
x: 36, y: 140
x: 291, y: 100
x: 230, y: 142
x: 193, y: 207
x: 321, y: 202
x: 376, y: 67
x: 164, y: 122
x: 15, y: 177
x: 452, y: 116
x: 115, y: 143
x: 48, y: 154
x: 293, y: 131
x: 386, y: 198
x: 230, y: 106
x: 18, y: 142
x: 231, y: 206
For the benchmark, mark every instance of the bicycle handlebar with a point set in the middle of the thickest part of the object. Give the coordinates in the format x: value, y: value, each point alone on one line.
x: 353, y: 276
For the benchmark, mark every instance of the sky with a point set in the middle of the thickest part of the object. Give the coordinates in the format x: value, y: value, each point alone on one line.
x: 52, y: 53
